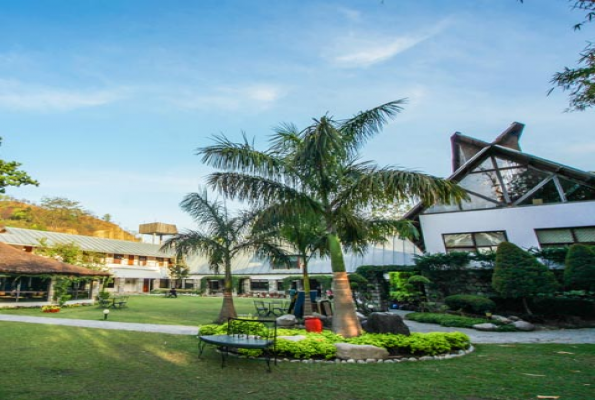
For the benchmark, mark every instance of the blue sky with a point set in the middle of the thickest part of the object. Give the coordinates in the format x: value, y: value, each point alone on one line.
x: 105, y: 102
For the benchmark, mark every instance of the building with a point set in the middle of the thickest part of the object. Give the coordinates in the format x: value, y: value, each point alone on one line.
x: 513, y: 196
x: 136, y: 267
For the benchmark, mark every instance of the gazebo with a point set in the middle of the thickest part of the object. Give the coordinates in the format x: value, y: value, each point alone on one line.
x: 29, y: 278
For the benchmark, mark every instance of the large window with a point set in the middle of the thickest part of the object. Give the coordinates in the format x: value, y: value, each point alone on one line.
x: 473, y: 241
x: 565, y: 236
x: 118, y: 258
x: 259, y: 285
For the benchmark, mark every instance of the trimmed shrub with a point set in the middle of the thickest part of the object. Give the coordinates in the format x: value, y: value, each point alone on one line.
x: 579, y: 271
x: 519, y: 275
x: 470, y: 303
x: 456, y: 321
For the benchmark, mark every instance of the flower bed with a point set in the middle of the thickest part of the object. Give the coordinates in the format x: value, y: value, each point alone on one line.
x: 50, y: 309
x: 321, y: 346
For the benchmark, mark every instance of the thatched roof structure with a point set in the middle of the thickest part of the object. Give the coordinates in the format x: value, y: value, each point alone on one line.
x: 14, y: 261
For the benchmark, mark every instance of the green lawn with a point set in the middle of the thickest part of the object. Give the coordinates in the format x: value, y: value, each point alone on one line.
x: 184, y: 310
x: 56, y: 362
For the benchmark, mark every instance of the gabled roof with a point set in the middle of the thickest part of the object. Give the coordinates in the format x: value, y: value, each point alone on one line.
x: 31, y: 237
x: 505, y: 145
x: 465, y: 147
x: 15, y: 261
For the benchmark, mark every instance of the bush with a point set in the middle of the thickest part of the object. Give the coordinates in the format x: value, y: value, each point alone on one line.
x: 563, y: 306
x: 470, y: 303
x: 579, y: 271
x: 519, y: 275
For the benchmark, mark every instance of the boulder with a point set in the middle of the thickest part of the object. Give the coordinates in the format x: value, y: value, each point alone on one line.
x: 524, y: 326
x: 485, y: 327
x: 347, y: 351
x: 501, y: 319
x: 386, y: 322
x: 286, y: 320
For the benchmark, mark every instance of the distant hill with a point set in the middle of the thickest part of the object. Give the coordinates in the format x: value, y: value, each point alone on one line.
x: 67, y: 219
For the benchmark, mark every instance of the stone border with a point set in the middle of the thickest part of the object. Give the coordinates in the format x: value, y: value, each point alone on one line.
x: 446, y: 356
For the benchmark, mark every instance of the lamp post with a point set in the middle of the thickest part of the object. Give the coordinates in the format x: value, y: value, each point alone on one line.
x: 105, y: 314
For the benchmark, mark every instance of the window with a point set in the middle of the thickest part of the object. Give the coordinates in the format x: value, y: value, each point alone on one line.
x: 118, y: 258
x: 473, y: 241
x: 160, y: 261
x: 259, y: 285
x: 565, y: 236
x: 142, y: 260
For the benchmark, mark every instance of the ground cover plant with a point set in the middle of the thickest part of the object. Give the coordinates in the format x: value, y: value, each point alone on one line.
x: 56, y: 362
x: 456, y: 321
x: 184, y: 310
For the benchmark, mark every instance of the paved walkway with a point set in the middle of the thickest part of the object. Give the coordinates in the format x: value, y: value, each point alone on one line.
x: 573, y: 336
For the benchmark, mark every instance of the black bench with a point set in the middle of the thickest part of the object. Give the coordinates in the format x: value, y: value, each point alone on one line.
x: 244, y: 334
x: 119, y: 302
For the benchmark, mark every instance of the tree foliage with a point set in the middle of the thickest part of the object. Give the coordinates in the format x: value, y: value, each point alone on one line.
x: 11, y: 175
x: 518, y: 274
x: 579, y: 271
x: 316, y: 172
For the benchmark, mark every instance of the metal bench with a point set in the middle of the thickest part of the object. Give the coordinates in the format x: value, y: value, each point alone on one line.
x: 244, y: 334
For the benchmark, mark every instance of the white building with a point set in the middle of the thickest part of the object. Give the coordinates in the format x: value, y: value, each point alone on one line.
x: 513, y: 196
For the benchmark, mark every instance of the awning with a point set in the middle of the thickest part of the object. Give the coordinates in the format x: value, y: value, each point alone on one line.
x: 134, y: 273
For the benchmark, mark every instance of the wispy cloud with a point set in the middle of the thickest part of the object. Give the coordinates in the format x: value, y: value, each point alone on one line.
x: 349, y: 13
x: 258, y: 96
x: 363, y: 50
x: 15, y: 95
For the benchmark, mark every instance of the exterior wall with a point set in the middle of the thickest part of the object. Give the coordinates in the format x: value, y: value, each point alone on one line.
x: 519, y: 223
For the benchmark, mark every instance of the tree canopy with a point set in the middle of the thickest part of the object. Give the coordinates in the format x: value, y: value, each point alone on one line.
x: 11, y: 175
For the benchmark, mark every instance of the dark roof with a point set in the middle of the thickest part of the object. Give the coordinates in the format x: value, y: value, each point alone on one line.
x: 15, y: 261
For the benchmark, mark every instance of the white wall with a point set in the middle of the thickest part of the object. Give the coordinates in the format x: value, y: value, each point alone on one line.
x: 518, y: 222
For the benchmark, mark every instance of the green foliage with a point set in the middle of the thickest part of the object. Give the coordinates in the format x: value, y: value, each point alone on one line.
x: 235, y: 279
x: 550, y: 256
x: 406, y: 287
x: 518, y: 274
x: 449, y: 320
x: 61, y: 285
x: 11, y: 175
x: 579, y: 272
x: 358, y: 280
x: 470, y: 303
x: 564, y: 306
x: 320, y: 345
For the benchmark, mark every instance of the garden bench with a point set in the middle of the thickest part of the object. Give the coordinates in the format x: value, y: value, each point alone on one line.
x: 244, y: 334
x: 119, y: 302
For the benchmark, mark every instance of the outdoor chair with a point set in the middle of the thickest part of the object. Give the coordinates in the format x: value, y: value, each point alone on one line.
x: 279, y: 307
x: 262, y: 309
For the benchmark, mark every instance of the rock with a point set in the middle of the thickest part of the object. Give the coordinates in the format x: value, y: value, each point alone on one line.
x: 295, y: 338
x: 360, y: 352
x: 485, y: 327
x: 524, y: 326
x: 514, y: 318
x: 286, y: 320
x: 501, y: 319
x: 386, y: 322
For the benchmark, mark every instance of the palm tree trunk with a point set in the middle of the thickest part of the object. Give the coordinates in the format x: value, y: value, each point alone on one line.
x: 307, y: 300
x: 345, y: 321
x: 228, y: 309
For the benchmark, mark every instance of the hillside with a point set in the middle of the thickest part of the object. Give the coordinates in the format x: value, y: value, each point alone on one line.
x: 58, y: 215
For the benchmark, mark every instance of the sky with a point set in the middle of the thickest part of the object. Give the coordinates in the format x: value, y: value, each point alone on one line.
x: 106, y: 102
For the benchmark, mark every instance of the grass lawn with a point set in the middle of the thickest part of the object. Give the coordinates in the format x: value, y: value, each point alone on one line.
x: 56, y: 362
x: 184, y: 310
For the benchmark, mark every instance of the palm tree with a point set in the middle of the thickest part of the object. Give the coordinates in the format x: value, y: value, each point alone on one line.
x: 220, y: 239
x: 316, y: 171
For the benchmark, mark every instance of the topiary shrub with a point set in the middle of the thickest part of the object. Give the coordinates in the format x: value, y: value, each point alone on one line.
x: 579, y: 271
x: 519, y: 275
x: 470, y: 303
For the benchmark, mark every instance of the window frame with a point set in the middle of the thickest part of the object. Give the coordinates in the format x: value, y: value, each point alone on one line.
x: 572, y: 233
x: 476, y: 248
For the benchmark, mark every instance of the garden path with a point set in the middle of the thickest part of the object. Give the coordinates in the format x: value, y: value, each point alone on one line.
x: 569, y: 336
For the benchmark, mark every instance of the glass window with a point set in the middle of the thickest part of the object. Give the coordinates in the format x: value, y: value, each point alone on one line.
x: 259, y: 285
x: 478, y: 203
x: 576, y: 191
x: 565, y: 236
x: 485, y: 165
x: 438, y: 208
x: 548, y: 193
x: 118, y: 258
x: 485, y: 184
x: 502, y: 163
x: 519, y: 181
x: 473, y: 241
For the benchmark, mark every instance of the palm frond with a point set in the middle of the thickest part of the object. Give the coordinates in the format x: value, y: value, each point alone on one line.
x: 210, y: 214
x: 358, y: 129
x: 229, y: 156
x: 192, y: 243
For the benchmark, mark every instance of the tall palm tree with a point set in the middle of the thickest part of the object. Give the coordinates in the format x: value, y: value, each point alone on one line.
x: 316, y: 171
x: 220, y: 239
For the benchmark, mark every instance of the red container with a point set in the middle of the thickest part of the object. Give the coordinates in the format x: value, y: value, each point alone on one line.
x: 313, y: 324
